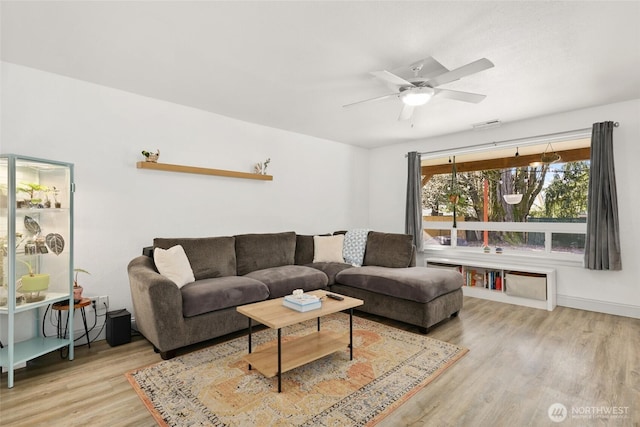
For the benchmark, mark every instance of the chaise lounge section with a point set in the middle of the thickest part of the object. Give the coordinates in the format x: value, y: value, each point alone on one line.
x: 414, y: 295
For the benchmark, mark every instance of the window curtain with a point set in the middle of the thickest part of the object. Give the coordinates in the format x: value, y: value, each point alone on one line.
x: 413, y: 213
x: 602, y: 244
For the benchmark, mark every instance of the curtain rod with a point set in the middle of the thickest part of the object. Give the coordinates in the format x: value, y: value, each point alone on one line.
x: 522, y: 142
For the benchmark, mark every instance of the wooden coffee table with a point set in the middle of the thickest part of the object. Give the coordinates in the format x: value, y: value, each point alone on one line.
x: 299, y: 351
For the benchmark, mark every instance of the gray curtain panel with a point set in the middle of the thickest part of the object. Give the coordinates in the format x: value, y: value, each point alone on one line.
x: 602, y: 244
x: 413, y: 213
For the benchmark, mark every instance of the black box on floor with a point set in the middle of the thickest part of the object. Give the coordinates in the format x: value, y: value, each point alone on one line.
x: 118, y: 327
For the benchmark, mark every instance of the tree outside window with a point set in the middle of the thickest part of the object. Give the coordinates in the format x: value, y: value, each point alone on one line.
x: 550, y: 193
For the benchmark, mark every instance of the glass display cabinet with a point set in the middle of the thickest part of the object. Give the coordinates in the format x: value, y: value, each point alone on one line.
x: 36, y: 252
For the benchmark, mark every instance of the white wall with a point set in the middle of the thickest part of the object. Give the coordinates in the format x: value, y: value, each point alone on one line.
x: 613, y: 292
x: 318, y: 185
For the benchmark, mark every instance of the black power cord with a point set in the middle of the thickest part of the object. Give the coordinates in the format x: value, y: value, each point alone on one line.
x: 84, y: 334
x: 106, y: 308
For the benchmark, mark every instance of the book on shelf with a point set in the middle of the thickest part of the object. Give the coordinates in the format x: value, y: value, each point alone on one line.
x: 476, y: 278
x: 492, y: 279
x: 483, y: 278
x: 302, y: 307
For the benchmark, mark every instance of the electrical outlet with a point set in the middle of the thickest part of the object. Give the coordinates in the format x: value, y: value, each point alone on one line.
x: 100, y: 304
x: 103, y: 303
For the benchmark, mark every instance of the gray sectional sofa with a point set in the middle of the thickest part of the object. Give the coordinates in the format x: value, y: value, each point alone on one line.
x: 242, y: 269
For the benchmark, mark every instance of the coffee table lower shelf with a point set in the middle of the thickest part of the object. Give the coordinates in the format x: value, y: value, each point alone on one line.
x: 297, y: 352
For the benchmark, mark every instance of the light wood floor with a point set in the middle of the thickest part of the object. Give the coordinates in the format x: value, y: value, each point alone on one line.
x: 521, y: 361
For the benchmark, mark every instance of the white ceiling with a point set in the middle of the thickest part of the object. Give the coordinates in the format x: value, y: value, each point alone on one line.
x: 292, y: 65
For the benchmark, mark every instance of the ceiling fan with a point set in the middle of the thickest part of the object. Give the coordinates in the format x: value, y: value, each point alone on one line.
x: 427, y: 75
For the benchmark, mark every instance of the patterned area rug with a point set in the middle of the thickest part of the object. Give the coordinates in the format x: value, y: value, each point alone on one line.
x: 214, y: 387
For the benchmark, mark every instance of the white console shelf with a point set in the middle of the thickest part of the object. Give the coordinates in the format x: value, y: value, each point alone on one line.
x: 502, y: 269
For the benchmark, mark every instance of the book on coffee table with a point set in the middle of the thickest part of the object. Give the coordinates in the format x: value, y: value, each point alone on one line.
x: 306, y: 303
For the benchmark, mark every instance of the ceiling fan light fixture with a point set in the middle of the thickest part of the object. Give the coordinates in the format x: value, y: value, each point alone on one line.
x: 417, y: 96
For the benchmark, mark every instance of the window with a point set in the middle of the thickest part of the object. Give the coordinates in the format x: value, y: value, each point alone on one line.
x: 548, y: 219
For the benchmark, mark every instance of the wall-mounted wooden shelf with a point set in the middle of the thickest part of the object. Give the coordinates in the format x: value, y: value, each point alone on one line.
x: 202, y: 171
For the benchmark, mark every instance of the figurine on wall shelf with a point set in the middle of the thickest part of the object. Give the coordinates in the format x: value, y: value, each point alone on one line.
x: 151, y: 157
x: 261, y: 168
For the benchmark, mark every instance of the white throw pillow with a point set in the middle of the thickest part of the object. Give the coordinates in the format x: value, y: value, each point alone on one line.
x: 328, y: 248
x: 173, y: 264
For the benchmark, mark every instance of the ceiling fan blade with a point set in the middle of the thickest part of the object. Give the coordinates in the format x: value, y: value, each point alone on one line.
x: 378, y: 98
x: 460, y: 96
x: 406, y: 113
x: 458, y: 73
x: 391, y: 78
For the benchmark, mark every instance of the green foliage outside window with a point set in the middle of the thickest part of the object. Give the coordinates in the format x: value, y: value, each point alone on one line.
x: 562, y: 196
x: 566, y: 196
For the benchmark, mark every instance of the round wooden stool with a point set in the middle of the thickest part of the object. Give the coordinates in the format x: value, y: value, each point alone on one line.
x: 64, y: 306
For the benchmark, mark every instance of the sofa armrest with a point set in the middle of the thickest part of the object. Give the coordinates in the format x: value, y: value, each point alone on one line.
x: 157, y: 303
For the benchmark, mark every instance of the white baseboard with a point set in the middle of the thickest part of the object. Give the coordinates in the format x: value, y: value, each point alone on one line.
x: 617, y: 309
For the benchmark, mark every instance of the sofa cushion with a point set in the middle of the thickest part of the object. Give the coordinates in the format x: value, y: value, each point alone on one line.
x: 283, y: 280
x: 331, y: 269
x: 304, y: 250
x: 260, y: 251
x: 173, y: 264
x: 419, y: 284
x: 204, y: 296
x: 209, y: 256
x: 328, y: 248
x: 388, y: 250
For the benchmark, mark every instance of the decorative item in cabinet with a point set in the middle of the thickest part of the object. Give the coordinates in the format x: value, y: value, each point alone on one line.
x: 31, y: 225
x: 56, y: 194
x: 32, y: 189
x: 32, y: 285
x: 55, y: 243
x: 36, y: 267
